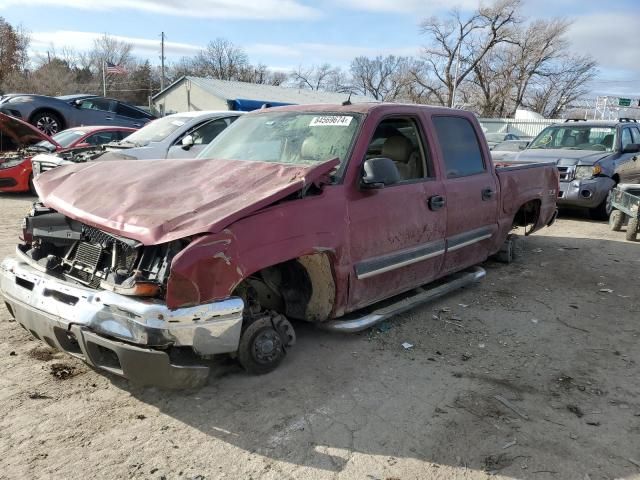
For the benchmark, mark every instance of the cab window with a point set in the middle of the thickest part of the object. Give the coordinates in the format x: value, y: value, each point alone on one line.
x: 399, y: 139
x: 460, y: 148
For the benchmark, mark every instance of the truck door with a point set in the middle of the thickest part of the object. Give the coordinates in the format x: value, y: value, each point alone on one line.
x: 397, y: 232
x: 471, y: 192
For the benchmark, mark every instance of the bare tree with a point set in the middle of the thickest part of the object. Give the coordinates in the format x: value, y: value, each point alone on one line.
x: 221, y: 59
x: 320, y: 77
x: 559, y: 88
x: 383, y: 78
x: 461, y: 42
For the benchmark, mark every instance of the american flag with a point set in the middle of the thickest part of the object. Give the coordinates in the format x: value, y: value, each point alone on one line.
x: 112, y: 68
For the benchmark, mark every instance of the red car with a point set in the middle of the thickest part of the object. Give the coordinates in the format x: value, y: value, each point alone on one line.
x: 23, y: 141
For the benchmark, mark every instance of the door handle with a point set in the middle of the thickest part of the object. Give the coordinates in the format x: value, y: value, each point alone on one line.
x: 487, y: 194
x: 137, y: 125
x: 436, y: 202
x: 108, y: 118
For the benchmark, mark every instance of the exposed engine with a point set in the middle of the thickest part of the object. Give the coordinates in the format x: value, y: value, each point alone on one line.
x: 43, y: 163
x: 83, y: 254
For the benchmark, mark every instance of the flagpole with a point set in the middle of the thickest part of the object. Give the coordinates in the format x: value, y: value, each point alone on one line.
x: 104, y: 81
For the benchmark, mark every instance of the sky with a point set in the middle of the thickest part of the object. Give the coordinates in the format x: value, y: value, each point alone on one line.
x: 285, y: 34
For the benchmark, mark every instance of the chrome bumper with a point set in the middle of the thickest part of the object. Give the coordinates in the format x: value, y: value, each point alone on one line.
x: 127, y: 336
x: 587, y: 193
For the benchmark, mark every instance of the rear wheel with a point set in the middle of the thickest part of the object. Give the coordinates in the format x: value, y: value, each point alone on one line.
x: 47, y: 121
x: 632, y: 229
x: 263, y: 344
x: 616, y: 219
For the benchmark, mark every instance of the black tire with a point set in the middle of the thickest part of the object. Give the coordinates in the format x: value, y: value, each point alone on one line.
x: 47, y: 121
x: 632, y: 229
x: 602, y: 211
x: 507, y: 252
x: 616, y: 220
x: 262, y: 344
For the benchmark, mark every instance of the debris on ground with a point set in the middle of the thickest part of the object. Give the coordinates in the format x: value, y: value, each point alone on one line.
x: 576, y: 410
x: 511, y: 406
x: 38, y: 396
x: 495, y: 463
x: 407, y: 345
x: 606, y: 290
x: 383, y: 327
x: 62, y: 371
x: 12, y: 354
x: 509, y: 444
x: 44, y: 354
x: 466, y: 356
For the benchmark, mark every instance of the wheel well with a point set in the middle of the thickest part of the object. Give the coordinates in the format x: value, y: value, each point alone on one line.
x: 52, y: 110
x: 527, y: 214
x: 302, y: 288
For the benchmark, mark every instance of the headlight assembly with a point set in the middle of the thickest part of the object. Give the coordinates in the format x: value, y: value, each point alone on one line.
x: 11, y: 163
x: 583, y: 172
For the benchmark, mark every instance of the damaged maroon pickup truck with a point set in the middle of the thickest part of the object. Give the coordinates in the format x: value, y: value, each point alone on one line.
x: 335, y: 215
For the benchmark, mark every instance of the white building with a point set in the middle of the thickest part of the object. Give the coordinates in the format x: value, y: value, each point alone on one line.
x: 196, y: 93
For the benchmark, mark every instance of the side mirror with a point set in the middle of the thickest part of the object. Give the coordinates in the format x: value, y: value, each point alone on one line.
x: 379, y: 173
x: 187, y: 142
x: 631, y: 148
x: 77, y: 103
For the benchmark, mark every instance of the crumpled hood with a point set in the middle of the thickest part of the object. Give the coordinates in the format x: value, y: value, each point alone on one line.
x: 156, y: 201
x: 568, y: 157
x: 22, y: 134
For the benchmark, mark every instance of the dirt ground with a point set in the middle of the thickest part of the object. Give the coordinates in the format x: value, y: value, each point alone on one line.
x: 533, y: 373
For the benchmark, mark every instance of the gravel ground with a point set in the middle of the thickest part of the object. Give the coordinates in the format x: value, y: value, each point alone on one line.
x: 533, y: 373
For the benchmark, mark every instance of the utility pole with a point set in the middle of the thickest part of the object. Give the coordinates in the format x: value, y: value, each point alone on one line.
x: 161, y: 61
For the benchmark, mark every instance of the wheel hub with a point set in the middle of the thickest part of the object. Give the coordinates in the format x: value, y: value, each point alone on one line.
x: 267, y: 346
x: 48, y: 125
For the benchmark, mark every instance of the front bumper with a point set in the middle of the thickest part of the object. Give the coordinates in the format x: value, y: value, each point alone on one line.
x: 127, y: 336
x: 588, y: 193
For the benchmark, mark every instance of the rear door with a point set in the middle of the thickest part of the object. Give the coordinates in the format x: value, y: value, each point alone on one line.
x: 396, y: 238
x: 471, y: 191
x: 96, y: 111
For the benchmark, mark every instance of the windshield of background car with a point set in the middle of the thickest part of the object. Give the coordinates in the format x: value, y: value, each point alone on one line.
x: 576, y: 137
x: 494, y: 137
x: 65, y: 139
x: 157, y: 130
x: 509, y: 146
x: 286, y: 137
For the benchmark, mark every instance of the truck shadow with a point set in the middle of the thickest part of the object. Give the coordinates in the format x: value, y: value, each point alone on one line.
x: 523, y: 374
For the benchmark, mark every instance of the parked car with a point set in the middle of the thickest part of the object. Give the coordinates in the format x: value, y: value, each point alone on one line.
x: 54, y: 114
x: 508, y: 149
x: 16, y: 171
x: 182, y: 135
x: 296, y: 212
x: 587, y: 154
x: 494, y: 138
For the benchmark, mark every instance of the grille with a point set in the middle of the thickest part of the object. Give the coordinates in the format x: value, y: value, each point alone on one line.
x: 566, y: 174
x: 88, y: 255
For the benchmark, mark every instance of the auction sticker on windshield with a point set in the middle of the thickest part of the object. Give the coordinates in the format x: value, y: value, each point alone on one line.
x: 331, y: 121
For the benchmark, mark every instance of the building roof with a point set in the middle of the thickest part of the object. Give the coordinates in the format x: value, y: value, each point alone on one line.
x: 231, y: 91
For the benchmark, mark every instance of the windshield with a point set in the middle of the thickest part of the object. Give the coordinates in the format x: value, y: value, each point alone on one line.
x: 156, y: 131
x: 576, y: 137
x: 65, y: 139
x: 286, y: 137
